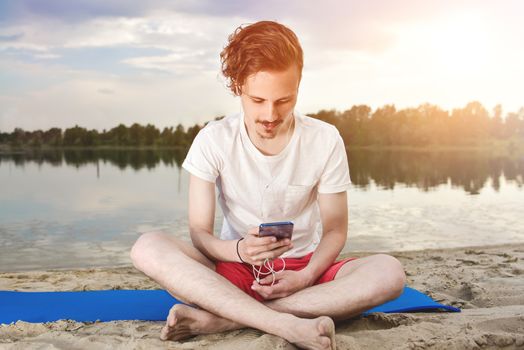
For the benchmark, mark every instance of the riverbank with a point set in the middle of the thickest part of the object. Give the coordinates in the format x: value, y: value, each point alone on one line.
x: 492, y: 147
x: 486, y: 282
x: 511, y: 146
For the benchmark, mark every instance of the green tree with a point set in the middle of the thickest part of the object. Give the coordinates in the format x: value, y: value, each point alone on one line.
x: 496, y: 125
x: 136, y: 135
x: 180, y: 136
x: 353, y: 125
x: 151, y: 133
x: 119, y: 135
x: 75, y: 136
x: 191, y: 133
x: 53, y: 137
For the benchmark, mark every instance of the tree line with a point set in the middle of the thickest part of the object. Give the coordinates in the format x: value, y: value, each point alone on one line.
x: 134, y: 136
x: 425, y: 125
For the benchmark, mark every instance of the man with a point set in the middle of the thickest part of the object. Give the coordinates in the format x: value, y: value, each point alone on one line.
x: 269, y: 163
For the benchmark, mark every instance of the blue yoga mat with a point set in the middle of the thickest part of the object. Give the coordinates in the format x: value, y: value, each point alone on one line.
x: 150, y: 305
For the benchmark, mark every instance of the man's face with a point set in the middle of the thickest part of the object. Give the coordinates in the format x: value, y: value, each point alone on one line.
x: 268, y: 99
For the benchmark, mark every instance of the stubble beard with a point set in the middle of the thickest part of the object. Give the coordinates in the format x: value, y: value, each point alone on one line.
x: 266, y: 137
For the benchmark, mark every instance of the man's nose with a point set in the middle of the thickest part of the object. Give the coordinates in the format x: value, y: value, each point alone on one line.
x: 271, y: 113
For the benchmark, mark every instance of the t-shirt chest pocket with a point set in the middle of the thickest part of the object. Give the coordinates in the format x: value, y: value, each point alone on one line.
x: 297, y: 197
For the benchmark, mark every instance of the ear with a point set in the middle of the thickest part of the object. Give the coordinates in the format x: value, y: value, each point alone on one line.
x: 238, y: 89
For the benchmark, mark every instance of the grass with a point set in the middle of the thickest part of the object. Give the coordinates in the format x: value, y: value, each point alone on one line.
x: 514, y: 146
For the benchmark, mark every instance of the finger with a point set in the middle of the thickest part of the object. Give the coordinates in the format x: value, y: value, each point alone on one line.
x: 264, y: 291
x: 255, y: 253
x: 258, y: 250
x: 278, y: 244
x: 257, y: 262
x: 270, y: 279
x: 253, y: 231
x: 269, y: 290
x: 264, y: 241
x: 271, y: 294
x: 272, y: 254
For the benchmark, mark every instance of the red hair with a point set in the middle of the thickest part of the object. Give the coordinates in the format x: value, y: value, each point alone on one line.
x: 264, y: 45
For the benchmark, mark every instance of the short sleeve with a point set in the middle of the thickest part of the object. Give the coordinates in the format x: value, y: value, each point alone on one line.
x: 335, y: 177
x: 203, y: 158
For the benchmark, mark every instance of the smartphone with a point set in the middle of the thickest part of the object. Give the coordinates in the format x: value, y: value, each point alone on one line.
x: 281, y: 229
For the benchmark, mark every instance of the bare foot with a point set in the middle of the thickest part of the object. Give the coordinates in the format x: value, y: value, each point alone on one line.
x: 185, y: 321
x: 318, y: 333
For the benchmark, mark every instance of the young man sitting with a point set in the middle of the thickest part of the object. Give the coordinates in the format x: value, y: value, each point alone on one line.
x: 268, y: 163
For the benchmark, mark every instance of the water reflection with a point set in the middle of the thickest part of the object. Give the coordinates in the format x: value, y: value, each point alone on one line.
x: 425, y: 170
x: 83, y: 208
x: 122, y: 158
x: 469, y: 170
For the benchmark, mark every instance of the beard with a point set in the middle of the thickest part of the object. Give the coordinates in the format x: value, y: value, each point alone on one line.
x: 265, y: 133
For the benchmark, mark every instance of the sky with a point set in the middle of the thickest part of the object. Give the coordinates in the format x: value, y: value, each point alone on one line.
x: 100, y: 63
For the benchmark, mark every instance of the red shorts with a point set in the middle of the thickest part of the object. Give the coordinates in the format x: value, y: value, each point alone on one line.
x: 241, y: 275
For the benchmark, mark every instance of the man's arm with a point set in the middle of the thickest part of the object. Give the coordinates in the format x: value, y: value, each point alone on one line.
x: 334, y: 217
x: 201, y: 222
x: 253, y: 249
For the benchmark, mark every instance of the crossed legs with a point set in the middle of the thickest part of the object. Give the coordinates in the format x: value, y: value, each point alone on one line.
x: 299, y: 318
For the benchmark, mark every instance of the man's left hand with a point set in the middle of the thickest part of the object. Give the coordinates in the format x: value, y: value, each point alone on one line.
x: 286, y: 283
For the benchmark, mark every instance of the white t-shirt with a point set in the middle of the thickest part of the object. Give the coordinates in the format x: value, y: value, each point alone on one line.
x: 254, y: 188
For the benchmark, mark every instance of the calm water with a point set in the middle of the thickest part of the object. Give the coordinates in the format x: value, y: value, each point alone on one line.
x: 86, y: 208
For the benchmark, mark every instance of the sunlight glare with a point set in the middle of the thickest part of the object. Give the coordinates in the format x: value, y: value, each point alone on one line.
x: 460, y: 45
x: 456, y: 46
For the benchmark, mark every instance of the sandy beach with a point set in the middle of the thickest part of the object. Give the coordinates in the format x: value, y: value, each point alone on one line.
x: 486, y: 282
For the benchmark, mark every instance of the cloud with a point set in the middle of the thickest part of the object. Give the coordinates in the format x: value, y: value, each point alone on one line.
x: 11, y: 37
x: 45, y: 26
x: 104, y: 102
x: 170, y: 58
x: 100, y: 23
x: 99, y: 63
x: 184, y: 40
x: 46, y: 56
x: 69, y: 11
x: 181, y: 63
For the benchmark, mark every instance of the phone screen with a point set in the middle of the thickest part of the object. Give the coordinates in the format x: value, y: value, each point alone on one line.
x: 281, y: 229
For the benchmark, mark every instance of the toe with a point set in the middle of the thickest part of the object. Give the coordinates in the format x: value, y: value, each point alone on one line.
x: 169, y: 328
x: 164, y: 333
x: 171, y: 318
x: 326, y: 327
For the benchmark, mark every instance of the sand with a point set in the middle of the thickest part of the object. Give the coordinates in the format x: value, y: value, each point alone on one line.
x: 486, y: 282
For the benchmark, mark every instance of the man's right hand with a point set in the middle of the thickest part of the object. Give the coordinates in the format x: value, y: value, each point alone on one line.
x: 254, y: 249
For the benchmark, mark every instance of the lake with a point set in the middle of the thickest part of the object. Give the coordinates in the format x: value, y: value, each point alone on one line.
x: 85, y: 208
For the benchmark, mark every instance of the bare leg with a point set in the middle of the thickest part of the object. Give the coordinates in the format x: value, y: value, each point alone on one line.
x: 358, y: 286
x: 187, y: 274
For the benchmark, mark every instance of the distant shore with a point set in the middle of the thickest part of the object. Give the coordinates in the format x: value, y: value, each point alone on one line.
x: 492, y: 147
x: 486, y: 282
x: 511, y: 146
x: 8, y: 149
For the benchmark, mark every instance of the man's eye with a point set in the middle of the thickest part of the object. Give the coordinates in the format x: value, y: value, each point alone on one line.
x: 258, y: 101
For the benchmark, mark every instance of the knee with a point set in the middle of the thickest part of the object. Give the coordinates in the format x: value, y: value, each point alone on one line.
x: 393, y: 275
x: 145, y: 246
